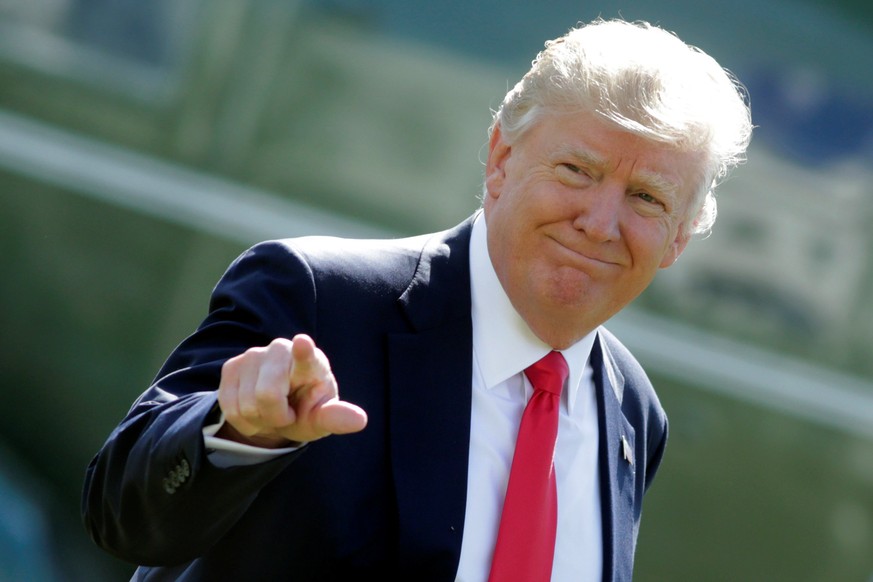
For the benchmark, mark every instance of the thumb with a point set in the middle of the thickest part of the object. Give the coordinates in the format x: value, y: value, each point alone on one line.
x: 338, y: 417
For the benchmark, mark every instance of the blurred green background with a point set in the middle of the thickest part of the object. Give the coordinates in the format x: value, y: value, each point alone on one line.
x: 143, y: 145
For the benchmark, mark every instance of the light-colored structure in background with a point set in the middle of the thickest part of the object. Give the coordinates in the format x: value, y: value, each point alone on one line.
x: 789, y: 259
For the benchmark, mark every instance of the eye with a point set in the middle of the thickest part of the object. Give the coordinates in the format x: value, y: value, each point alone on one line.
x: 649, y: 204
x: 646, y: 197
x: 572, y: 174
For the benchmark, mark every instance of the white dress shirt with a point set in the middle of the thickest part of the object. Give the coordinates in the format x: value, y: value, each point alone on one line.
x: 503, y: 346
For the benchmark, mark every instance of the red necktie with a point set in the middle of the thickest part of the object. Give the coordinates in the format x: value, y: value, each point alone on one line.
x: 526, y: 538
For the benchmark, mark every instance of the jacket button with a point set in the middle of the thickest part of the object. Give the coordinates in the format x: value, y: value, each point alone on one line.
x: 176, y: 476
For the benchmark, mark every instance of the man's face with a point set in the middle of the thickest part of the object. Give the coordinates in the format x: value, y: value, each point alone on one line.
x: 581, y: 215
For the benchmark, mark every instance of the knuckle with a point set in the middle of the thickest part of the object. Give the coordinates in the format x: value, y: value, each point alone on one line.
x: 248, y: 410
x: 268, y: 396
x: 235, y: 364
x: 280, y: 345
x: 230, y: 366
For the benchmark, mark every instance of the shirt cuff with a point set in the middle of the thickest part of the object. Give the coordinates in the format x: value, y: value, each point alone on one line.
x: 224, y: 453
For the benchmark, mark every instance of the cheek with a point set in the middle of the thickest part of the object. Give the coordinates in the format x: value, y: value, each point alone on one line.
x: 507, y: 216
x: 651, y: 244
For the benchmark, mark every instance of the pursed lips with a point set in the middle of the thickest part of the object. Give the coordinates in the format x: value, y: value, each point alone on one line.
x: 586, y: 255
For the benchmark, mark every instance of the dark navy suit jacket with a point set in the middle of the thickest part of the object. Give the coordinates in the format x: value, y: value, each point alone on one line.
x: 394, y: 319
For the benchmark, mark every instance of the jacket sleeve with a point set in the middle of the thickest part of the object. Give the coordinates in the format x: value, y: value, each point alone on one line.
x: 151, y: 495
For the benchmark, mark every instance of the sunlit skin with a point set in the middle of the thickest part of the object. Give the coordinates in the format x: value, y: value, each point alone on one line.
x: 581, y: 215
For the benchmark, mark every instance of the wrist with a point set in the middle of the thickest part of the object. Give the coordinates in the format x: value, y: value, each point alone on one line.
x: 228, y: 432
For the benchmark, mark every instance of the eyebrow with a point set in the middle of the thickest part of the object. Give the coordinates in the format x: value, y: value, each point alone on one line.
x: 657, y: 182
x: 584, y: 156
x: 648, y: 180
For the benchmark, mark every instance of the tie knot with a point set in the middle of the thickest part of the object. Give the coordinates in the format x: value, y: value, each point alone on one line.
x: 548, y: 373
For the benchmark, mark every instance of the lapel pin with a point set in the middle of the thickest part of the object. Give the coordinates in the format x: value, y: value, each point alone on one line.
x: 626, y: 450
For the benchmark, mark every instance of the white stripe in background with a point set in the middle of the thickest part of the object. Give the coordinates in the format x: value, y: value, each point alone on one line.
x: 161, y: 189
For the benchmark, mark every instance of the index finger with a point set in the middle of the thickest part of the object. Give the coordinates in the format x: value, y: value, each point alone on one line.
x: 309, y: 364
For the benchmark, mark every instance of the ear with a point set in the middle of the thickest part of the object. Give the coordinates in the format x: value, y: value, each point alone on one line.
x: 676, y: 247
x: 495, y: 168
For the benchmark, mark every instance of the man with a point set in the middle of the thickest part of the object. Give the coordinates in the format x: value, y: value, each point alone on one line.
x: 360, y: 408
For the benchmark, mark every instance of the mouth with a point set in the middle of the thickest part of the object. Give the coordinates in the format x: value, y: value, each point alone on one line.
x: 582, y: 257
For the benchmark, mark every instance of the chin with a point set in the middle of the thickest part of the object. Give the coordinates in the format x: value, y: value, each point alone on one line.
x: 568, y: 288
x: 568, y: 299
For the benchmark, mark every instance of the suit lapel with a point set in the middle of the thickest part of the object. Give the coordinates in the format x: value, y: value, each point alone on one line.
x: 429, y: 407
x: 617, y: 466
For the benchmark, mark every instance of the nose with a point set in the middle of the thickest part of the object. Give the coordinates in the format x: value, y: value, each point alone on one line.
x: 599, y: 211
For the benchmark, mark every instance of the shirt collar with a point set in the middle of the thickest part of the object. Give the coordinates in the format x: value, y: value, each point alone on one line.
x: 503, y: 344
